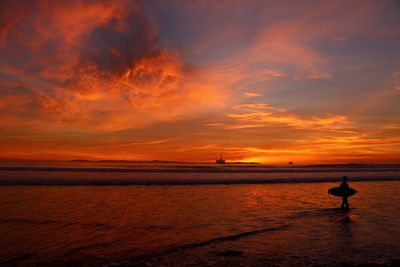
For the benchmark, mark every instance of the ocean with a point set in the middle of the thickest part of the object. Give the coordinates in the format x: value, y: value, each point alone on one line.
x: 156, y: 214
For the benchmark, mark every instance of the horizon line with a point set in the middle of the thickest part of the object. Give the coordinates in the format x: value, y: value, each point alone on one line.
x: 197, y: 162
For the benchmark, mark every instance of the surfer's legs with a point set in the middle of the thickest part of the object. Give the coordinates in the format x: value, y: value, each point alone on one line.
x: 345, y: 203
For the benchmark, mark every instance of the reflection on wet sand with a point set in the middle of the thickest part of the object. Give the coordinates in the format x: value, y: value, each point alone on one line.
x: 278, y: 224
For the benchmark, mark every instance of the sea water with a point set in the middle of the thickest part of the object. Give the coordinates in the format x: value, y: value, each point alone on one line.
x: 235, y: 224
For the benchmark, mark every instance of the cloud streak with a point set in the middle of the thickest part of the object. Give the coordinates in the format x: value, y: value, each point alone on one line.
x: 256, y: 113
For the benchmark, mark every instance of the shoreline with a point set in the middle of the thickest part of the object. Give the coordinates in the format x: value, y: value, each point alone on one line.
x: 183, y: 182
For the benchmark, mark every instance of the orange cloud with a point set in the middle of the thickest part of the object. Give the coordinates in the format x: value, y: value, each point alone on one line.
x: 284, y: 117
x: 251, y: 94
x: 95, y: 65
x: 254, y: 106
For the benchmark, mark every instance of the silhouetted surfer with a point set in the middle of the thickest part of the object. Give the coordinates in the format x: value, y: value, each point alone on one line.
x: 344, y: 187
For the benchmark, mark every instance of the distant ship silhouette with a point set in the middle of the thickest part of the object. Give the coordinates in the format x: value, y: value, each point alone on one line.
x: 220, y: 160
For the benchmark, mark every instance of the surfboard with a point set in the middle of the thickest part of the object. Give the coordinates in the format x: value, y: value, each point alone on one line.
x: 337, y: 192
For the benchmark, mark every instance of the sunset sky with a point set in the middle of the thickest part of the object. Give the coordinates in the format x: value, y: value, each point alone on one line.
x: 265, y: 81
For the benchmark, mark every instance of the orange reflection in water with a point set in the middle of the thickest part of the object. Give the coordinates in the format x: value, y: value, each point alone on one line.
x: 101, y: 224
